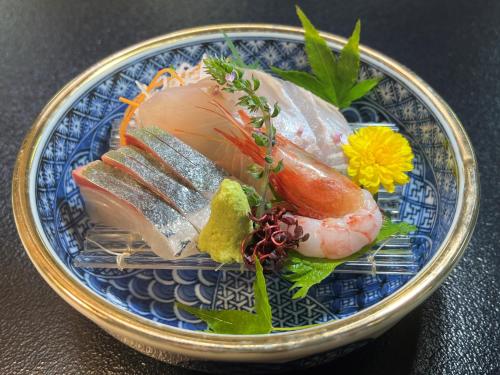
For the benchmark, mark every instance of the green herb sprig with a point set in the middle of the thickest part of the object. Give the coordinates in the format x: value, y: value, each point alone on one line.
x: 227, y: 74
x: 304, y: 272
x: 334, y: 79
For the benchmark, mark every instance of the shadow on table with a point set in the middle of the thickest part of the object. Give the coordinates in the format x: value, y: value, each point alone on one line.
x: 373, y: 358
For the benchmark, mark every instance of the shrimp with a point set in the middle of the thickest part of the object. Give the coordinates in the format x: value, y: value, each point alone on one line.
x: 340, y: 217
x: 336, y: 238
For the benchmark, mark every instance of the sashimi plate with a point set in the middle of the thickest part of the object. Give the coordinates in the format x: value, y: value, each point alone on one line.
x: 137, y: 306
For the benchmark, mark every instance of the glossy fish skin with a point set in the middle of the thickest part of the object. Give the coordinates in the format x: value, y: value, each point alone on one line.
x: 113, y: 198
x: 150, y: 173
x: 187, y: 164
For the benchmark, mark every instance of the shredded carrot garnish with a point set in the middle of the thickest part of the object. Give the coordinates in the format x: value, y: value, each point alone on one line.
x: 134, y: 103
x: 128, y: 101
x: 171, y: 71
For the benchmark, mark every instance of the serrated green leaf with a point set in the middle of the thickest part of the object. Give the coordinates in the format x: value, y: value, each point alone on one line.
x: 262, y: 305
x: 320, y: 56
x: 390, y: 228
x: 228, y: 321
x: 333, y: 79
x: 347, y: 67
x: 239, y: 322
x: 361, y: 88
x: 302, y: 79
x: 304, y: 272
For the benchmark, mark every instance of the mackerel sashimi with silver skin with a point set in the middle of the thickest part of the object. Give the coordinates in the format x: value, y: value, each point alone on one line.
x: 150, y: 173
x: 114, y: 198
x: 188, y: 165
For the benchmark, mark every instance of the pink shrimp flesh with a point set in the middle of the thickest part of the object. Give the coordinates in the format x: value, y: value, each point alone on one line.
x: 336, y: 238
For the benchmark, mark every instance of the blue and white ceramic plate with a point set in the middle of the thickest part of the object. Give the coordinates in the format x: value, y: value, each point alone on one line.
x: 138, y: 306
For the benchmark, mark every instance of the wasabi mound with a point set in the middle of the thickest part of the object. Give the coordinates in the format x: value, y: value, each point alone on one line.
x: 228, y: 224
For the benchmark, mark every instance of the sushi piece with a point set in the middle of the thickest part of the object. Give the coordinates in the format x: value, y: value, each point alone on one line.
x: 189, y: 166
x: 113, y: 198
x: 150, y: 173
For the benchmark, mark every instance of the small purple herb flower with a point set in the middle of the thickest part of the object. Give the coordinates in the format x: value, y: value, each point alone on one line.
x: 230, y: 76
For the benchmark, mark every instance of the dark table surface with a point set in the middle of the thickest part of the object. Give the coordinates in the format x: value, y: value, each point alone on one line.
x: 453, y: 45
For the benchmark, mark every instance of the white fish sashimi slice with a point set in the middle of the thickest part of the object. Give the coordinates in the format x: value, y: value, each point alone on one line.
x: 114, y: 199
x: 305, y: 119
x: 188, y: 113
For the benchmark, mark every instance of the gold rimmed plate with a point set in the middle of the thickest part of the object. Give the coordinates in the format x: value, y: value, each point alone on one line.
x: 137, y: 307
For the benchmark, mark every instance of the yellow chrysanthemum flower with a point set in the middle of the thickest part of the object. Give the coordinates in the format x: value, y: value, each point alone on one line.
x: 378, y: 156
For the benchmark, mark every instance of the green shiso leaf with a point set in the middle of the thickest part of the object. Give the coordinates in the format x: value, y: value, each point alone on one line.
x: 235, y: 321
x: 320, y: 56
x: 304, y: 272
x: 390, y: 228
x: 262, y: 305
x: 302, y: 79
x: 334, y: 79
